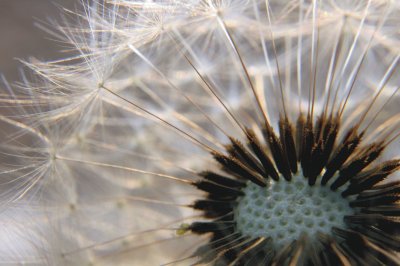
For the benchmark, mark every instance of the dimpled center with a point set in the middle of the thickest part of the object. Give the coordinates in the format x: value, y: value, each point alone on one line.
x: 284, y: 210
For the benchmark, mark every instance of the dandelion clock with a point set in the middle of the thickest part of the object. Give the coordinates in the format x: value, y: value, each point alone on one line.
x: 215, y: 132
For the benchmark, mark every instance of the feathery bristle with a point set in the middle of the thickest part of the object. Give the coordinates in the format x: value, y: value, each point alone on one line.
x: 223, y: 132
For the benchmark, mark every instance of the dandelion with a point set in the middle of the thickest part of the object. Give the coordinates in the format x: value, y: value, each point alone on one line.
x: 229, y: 132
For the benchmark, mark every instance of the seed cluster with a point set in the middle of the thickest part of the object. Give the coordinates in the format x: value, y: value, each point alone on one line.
x: 285, y: 210
x: 273, y: 189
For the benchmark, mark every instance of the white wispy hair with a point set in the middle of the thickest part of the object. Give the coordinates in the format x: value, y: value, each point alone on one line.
x: 99, y: 149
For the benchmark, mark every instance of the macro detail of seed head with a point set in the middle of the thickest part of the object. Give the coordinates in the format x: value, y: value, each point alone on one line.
x: 207, y: 132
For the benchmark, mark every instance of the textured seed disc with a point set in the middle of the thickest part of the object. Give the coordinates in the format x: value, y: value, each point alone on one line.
x: 283, y: 210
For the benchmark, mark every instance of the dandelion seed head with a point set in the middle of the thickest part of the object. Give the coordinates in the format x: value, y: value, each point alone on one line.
x: 176, y: 120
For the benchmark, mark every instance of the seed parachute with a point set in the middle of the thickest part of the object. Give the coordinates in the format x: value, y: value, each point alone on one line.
x: 206, y: 132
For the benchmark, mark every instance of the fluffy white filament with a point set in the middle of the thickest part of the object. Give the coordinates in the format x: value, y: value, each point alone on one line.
x: 97, y: 150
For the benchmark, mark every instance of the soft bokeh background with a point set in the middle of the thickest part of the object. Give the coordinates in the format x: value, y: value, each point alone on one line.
x: 21, y: 38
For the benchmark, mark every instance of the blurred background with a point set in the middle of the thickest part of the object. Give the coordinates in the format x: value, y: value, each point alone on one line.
x: 20, y: 38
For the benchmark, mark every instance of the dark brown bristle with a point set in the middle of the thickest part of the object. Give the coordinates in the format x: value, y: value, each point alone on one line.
x: 331, y: 253
x: 240, y: 152
x: 286, y: 132
x: 277, y: 152
x: 206, y: 227
x: 365, y: 252
x: 237, y: 168
x: 384, y: 238
x: 216, y: 189
x: 375, y: 201
x: 222, y: 180
x: 319, y: 128
x: 259, y: 151
x: 343, y: 152
x: 351, y: 169
x: 316, y: 162
x: 307, y: 146
x: 390, y: 210
x: 367, y: 179
x: 388, y: 224
x: 323, y: 149
x: 213, y: 208
x: 364, y: 156
x: 384, y: 189
x: 300, y: 125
